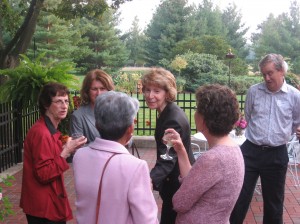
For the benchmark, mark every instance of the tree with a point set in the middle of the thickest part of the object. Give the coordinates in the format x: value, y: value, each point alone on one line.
x: 206, y: 19
x: 189, y: 44
x: 280, y: 35
x: 202, y: 69
x: 236, y: 30
x: 135, y: 41
x: 214, y: 45
x: 167, y: 27
x: 21, y: 34
x: 108, y: 51
x: 60, y: 39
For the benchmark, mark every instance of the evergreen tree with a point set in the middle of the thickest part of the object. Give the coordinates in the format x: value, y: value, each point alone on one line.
x: 135, y: 40
x: 59, y: 39
x: 236, y: 30
x: 167, y: 27
x: 21, y: 18
x: 206, y: 19
x: 280, y: 35
x: 108, y: 51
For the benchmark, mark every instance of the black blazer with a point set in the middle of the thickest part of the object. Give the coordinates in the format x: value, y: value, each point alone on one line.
x: 168, y: 170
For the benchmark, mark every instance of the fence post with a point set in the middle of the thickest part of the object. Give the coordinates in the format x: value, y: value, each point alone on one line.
x: 18, y: 129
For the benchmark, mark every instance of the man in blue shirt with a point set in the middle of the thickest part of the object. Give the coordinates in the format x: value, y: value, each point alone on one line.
x: 272, y: 110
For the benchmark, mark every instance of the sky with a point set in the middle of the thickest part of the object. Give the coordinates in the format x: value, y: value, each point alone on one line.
x: 253, y: 12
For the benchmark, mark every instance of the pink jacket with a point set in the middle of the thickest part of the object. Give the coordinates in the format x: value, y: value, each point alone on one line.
x: 126, y: 189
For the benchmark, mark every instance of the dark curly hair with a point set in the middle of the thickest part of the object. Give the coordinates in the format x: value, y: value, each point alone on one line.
x: 219, y: 108
x: 49, y: 91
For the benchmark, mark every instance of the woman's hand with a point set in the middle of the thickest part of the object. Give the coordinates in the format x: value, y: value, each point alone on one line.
x: 71, y: 146
x: 176, y: 140
x: 183, y: 159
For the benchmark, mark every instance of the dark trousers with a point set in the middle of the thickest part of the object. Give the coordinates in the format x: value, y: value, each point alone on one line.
x: 168, y: 215
x: 38, y: 220
x: 270, y: 164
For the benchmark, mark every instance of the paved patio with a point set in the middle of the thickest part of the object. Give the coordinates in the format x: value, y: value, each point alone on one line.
x: 254, y: 216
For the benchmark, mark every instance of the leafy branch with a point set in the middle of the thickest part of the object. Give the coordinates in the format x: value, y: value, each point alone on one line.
x: 5, y: 204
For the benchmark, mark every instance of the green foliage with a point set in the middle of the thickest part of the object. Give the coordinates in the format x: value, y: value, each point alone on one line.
x: 108, y: 52
x: 236, y: 30
x: 238, y: 67
x: 293, y: 80
x: 25, y: 81
x: 214, y: 45
x: 21, y: 17
x: 206, y: 19
x: 5, y: 204
x: 201, y: 69
x: 241, y: 84
x: 11, y: 15
x: 59, y: 39
x: 280, y: 35
x: 178, y: 64
x: 189, y: 44
x: 127, y: 82
x: 167, y: 27
x: 205, y: 69
x: 135, y: 41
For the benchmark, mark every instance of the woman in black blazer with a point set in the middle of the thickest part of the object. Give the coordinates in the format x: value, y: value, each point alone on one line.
x: 159, y: 88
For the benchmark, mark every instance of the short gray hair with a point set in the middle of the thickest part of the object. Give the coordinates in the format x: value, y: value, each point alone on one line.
x: 277, y: 59
x: 114, y: 113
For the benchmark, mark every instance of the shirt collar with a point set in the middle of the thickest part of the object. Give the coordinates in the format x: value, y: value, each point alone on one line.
x: 284, y: 87
x: 49, y: 125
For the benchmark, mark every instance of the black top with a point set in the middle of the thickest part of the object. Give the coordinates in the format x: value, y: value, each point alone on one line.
x: 171, y: 117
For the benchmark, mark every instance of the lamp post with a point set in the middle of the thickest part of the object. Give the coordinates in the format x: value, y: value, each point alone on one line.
x: 230, y: 56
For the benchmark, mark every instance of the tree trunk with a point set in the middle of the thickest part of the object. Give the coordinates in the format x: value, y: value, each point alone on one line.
x: 9, y: 56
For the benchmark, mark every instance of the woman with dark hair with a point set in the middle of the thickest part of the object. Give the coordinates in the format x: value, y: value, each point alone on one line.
x: 43, y: 197
x: 159, y: 88
x: 212, y: 185
x: 95, y: 83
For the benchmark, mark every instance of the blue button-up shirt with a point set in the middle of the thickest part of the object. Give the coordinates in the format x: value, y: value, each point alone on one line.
x: 272, y: 116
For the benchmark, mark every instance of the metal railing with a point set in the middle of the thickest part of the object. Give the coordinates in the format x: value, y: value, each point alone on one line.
x: 15, y: 121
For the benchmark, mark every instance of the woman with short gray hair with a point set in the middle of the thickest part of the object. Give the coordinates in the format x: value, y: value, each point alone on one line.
x: 122, y: 110
x: 126, y: 195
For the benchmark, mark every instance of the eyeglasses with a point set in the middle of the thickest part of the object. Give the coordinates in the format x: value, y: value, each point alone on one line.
x: 61, y: 102
x: 96, y: 89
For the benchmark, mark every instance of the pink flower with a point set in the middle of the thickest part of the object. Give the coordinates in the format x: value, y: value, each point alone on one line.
x: 0, y: 196
x: 241, y: 124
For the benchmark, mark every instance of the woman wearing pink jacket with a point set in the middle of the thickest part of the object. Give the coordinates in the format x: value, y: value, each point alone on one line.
x: 126, y: 195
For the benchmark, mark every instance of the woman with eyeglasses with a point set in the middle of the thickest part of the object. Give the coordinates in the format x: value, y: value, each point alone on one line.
x: 95, y: 83
x: 43, y: 197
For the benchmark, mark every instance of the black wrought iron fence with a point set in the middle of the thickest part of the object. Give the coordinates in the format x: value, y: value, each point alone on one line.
x: 15, y: 121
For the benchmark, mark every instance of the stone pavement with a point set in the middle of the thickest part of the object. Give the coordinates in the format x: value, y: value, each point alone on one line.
x: 254, y: 215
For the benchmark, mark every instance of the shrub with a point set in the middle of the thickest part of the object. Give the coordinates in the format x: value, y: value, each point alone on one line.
x: 25, y: 81
x: 5, y: 204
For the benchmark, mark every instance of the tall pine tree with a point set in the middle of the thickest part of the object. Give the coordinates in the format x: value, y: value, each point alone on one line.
x: 135, y: 40
x: 167, y: 27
